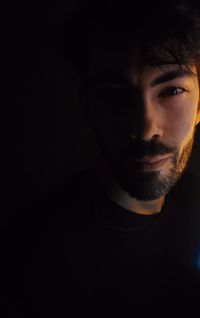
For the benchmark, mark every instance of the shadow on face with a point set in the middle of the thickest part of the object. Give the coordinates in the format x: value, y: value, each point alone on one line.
x: 142, y: 114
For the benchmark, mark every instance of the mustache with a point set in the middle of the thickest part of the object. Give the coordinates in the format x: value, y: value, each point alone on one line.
x: 141, y: 148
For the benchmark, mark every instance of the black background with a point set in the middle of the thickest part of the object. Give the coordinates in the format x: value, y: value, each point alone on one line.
x: 44, y: 135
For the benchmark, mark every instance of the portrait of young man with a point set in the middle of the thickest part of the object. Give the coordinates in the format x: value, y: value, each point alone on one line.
x: 123, y: 238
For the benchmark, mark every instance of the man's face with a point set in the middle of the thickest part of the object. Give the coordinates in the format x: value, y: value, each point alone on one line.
x: 144, y: 119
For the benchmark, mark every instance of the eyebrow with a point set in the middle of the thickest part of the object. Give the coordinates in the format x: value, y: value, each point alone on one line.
x: 169, y: 76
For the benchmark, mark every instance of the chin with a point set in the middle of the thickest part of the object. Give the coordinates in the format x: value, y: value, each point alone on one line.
x: 148, y: 186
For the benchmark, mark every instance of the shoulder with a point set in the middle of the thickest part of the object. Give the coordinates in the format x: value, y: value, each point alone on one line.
x: 60, y: 204
x: 65, y: 196
x: 70, y: 190
x: 51, y: 217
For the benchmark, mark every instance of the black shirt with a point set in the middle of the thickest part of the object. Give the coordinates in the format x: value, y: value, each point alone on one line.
x: 76, y: 252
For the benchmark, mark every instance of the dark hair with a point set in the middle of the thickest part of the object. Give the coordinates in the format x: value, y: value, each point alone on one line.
x: 165, y: 32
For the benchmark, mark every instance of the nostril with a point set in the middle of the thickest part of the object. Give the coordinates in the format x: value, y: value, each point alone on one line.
x: 146, y: 130
x: 134, y: 136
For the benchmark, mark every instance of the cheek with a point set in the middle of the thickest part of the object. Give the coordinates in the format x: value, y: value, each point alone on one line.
x: 110, y: 123
x: 180, y: 122
x: 104, y: 126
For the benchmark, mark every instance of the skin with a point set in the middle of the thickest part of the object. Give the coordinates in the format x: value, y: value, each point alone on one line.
x: 134, y: 113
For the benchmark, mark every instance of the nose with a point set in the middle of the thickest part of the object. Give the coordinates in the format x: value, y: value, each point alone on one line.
x: 147, y: 123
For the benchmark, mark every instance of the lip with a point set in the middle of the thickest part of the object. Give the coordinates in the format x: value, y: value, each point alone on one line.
x: 152, y: 159
x: 151, y: 163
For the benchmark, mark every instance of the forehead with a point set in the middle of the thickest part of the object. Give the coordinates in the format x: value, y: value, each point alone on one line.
x: 114, y: 65
x: 130, y: 64
x: 114, y: 62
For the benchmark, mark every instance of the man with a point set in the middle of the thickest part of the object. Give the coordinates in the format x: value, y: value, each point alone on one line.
x: 124, y: 237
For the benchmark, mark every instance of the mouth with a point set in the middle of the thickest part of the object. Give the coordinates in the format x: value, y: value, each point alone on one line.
x: 148, y: 163
x: 152, y: 159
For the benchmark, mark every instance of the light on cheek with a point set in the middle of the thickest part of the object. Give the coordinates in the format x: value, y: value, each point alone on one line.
x: 198, y: 115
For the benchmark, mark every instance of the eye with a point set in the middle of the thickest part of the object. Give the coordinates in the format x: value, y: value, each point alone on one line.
x: 172, y: 91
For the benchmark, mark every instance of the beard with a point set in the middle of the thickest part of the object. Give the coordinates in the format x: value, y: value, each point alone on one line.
x: 148, y: 186
x: 144, y: 185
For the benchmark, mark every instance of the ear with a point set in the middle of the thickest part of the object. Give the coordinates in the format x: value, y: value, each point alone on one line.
x: 198, y: 114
